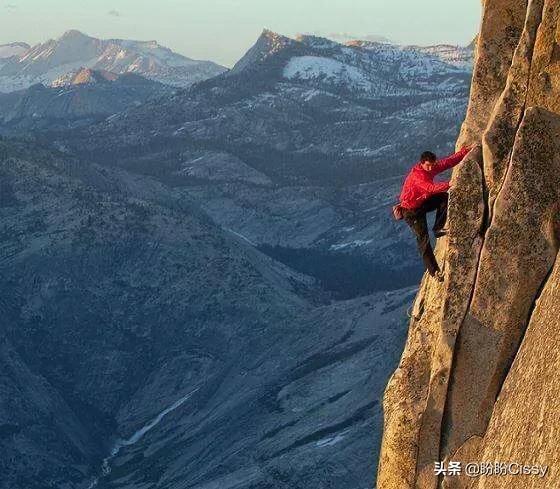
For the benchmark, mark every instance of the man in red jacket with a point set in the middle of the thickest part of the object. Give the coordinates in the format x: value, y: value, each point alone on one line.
x: 420, y: 195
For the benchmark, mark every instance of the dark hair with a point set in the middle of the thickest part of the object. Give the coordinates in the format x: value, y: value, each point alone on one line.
x: 428, y: 156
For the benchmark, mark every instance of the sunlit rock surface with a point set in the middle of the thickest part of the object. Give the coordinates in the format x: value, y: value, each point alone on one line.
x: 456, y: 396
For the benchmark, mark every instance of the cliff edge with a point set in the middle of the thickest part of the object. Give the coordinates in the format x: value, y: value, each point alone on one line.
x: 476, y: 382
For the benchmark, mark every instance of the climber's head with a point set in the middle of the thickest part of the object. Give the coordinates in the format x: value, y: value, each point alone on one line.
x: 428, y: 160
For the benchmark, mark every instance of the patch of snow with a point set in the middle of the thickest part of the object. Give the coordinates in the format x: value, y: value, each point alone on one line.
x: 311, y: 94
x: 317, y: 67
x: 244, y: 238
x: 369, y: 152
x: 21, y: 82
x: 330, y: 441
x: 138, y: 435
x: 112, y: 117
x: 353, y: 244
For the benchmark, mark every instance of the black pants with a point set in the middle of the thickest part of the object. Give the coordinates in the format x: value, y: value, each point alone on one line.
x: 417, y: 221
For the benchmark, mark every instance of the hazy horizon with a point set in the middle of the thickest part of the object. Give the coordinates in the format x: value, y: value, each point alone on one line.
x: 223, y: 30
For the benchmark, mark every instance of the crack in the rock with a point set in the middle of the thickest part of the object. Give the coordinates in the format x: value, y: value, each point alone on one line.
x: 488, y: 217
x: 527, y: 322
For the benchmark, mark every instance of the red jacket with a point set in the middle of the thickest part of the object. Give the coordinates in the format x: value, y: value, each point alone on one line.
x: 419, y: 184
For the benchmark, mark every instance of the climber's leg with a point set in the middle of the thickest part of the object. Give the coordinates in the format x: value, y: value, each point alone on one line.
x: 442, y: 201
x: 438, y: 203
x: 417, y: 222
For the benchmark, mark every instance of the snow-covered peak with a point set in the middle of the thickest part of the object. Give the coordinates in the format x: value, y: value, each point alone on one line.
x: 159, y: 54
x: 53, y: 59
x: 268, y: 44
x: 377, y: 69
x: 348, y: 38
x: 358, y: 43
x: 71, y: 47
x: 368, y: 57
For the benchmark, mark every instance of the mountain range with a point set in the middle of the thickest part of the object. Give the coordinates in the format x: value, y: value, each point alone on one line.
x: 22, y: 66
x: 251, y: 142
x: 322, y: 107
x: 202, y: 287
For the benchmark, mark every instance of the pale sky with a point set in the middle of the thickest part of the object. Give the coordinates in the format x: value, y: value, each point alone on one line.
x: 222, y: 30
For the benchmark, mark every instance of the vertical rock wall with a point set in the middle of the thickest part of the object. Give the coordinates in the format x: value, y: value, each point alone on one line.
x: 455, y: 395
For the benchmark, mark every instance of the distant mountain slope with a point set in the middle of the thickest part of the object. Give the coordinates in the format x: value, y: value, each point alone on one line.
x: 304, y: 167
x: 285, y: 152
x: 119, y: 298
x: 461, y: 57
x: 86, y: 76
x: 83, y: 97
x: 13, y: 49
x: 46, y: 62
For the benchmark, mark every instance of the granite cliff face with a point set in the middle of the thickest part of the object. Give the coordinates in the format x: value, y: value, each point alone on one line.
x: 475, y: 382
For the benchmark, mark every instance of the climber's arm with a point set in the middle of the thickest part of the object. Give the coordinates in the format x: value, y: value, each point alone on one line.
x: 451, y: 161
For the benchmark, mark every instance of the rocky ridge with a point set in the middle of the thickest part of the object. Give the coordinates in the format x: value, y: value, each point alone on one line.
x: 84, y: 97
x: 46, y: 62
x: 83, y: 76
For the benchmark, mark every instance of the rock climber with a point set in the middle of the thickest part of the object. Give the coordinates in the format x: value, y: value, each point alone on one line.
x: 421, y: 195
